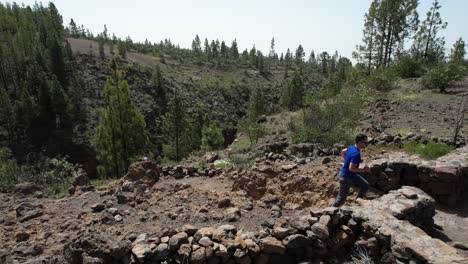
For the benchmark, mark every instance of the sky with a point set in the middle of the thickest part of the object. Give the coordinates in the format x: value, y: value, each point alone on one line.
x: 320, y: 25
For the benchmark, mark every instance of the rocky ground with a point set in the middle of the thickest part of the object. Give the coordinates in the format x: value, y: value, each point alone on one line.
x: 161, y: 201
x: 412, y: 109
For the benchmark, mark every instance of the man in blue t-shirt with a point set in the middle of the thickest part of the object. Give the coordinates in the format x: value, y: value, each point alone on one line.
x: 349, y: 173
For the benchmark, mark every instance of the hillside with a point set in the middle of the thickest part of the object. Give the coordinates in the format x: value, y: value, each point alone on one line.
x: 122, y: 152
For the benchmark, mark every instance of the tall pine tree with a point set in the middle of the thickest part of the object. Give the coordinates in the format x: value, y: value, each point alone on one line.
x: 121, y: 134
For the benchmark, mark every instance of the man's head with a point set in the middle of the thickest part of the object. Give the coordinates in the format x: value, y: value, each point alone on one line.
x: 361, y: 141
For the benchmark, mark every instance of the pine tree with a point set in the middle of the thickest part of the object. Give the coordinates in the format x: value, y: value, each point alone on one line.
x: 292, y: 94
x: 387, y: 25
x: 57, y: 62
x: 7, y: 115
x: 312, y: 59
x: 157, y: 77
x: 324, y: 59
x: 122, y: 49
x: 255, y: 109
x: 272, y: 54
x: 176, y: 129
x: 458, y: 51
x: 207, y: 50
x: 427, y: 44
x: 73, y: 29
x: 196, y: 45
x: 197, y: 124
x: 253, y: 56
x: 121, y: 134
x: 299, y: 55
x: 101, y: 49
x: 214, y: 49
x: 212, y: 138
x: 224, y: 52
x: 60, y: 104
x: 234, y: 50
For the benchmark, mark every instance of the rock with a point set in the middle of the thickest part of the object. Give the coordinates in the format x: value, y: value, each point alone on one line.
x: 189, y: 229
x: 210, y: 157
x: 226, y: 229
x: 142, y: 251
x: 320, y: 230
x: 198, y: 256
x: 300, y: 224
x: 145, y: 171
x: 205, y: 241
x: 222, y: 252
x: 27, y: 188
x: 107, y: 218
x: 232, y: 214
x: 178, y: 239
x: 141, y: 238
x: 326, y: 160
x: 281, y: 232
x: 410, y: 194
x: 21, y: 236
x: 271, y: 245
x: 92, y: 260
x: 161, y: 252
x: 118, y: 218
x: 80, y: 179
x: 98, y: 207
x: 297, y: 241
x: 270, y: 223
x: 330, y: 210
x: 113, y: 211
x: 341, y: 238
x: 26, y: 211
x: 461, y: 246
x: 206, y: 232
x: 122, y: 198
x: 288, y: 168
x: 325, y: 220
x: 183, y: 254
x: 252, y: 246
x: 225, y: 202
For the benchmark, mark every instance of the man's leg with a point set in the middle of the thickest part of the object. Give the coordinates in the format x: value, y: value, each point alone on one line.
x: 343, y: 192
x: 363, y: 185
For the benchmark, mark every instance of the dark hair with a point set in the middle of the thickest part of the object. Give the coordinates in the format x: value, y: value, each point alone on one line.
x: 360, y: 138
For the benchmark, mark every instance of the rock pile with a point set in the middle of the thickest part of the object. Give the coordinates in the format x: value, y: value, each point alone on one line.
x: 383, y: 227
x: 445, y: 179
x: 180, y: 171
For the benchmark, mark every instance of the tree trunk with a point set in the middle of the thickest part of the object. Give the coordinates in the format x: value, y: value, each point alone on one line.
x: 429, y: 34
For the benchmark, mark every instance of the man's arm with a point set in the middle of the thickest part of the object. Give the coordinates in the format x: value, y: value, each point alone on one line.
x: 354, y: 168
x: 343, y: 153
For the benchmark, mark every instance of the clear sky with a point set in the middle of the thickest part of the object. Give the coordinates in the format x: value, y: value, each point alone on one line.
x: 322, y: 25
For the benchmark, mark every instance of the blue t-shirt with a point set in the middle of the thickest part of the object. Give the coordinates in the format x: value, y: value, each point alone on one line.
x: 353, y: 155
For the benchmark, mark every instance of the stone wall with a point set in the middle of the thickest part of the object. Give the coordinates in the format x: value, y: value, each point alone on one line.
x: 386, y: 228
x: 445, y: 179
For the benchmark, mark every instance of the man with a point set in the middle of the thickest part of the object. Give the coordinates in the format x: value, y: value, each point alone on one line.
x: 349, y: 173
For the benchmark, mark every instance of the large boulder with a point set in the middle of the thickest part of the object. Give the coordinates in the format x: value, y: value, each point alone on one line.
x: 27, y: 188
x: 145, y: 171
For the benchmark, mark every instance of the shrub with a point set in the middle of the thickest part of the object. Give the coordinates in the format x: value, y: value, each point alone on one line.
x: 442, y: 76
x: 242, y: 161
x: 52, y: 175
x: 408, y: 67
x: 381, y: 80
x: 431, y: 150
x: 252, y: 129
x: 9, y: 170
x: 330, y: 119
x: 212, y: 138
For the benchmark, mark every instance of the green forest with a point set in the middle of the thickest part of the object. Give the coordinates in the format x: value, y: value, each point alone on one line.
x: 58, y: 115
